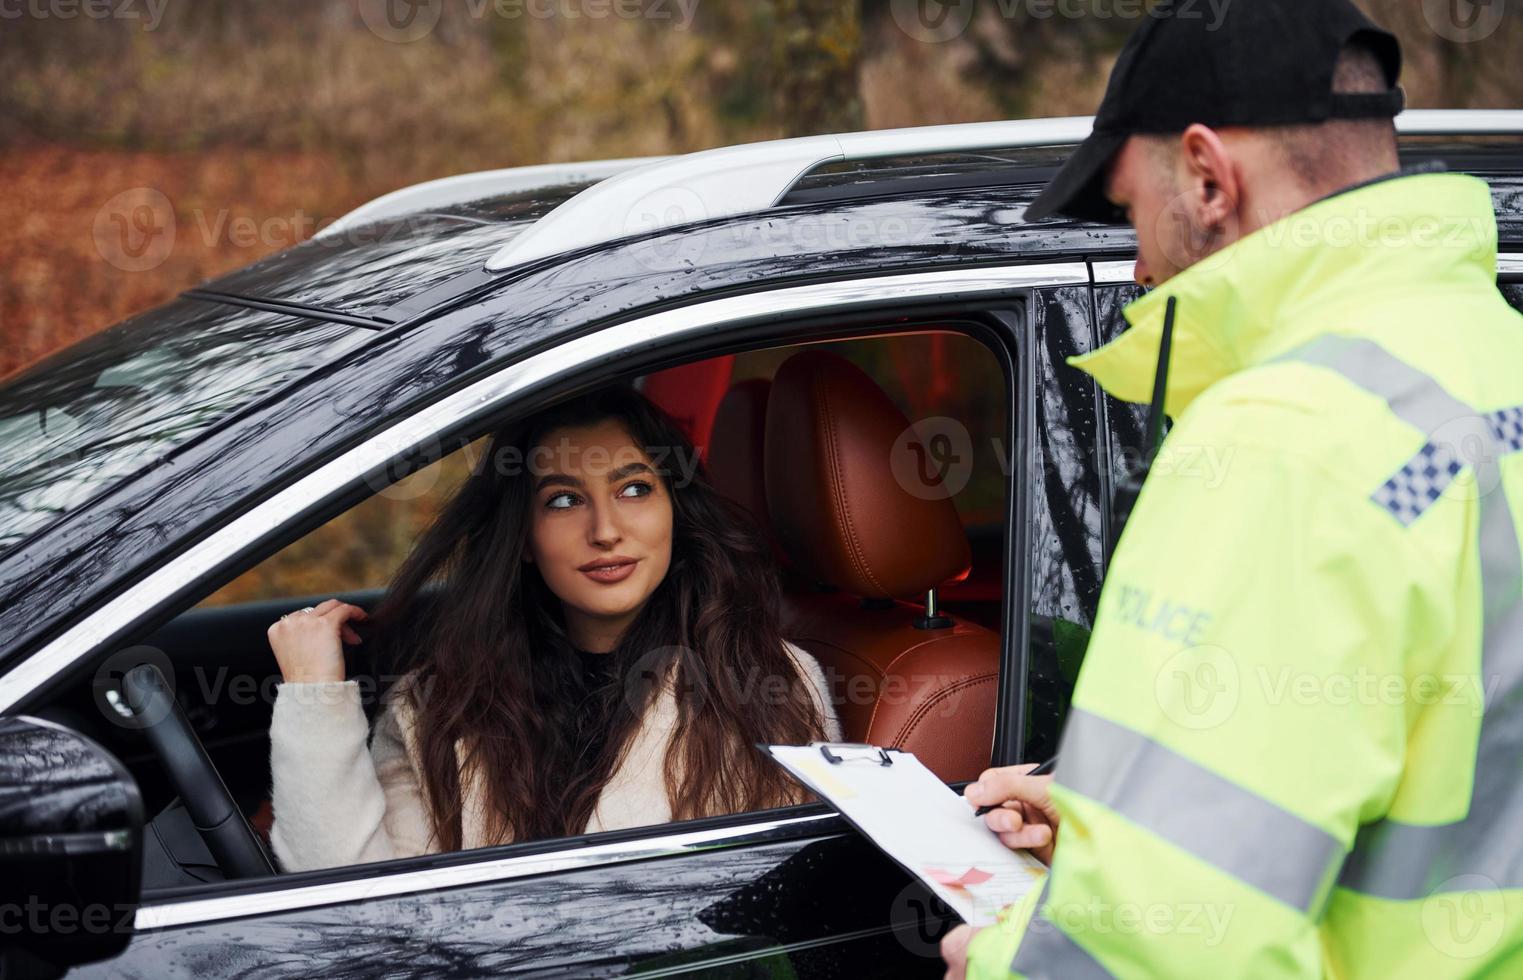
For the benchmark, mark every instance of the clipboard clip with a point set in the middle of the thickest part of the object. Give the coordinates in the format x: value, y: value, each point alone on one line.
x: 835, y: 760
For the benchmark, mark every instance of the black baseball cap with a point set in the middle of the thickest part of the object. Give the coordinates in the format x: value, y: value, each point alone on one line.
x: 1257, y: 63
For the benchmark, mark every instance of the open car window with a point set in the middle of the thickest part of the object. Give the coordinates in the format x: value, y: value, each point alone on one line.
x: 224, y: 674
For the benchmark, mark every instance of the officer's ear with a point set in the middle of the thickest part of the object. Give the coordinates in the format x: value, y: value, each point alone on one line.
x: 1211, y: 177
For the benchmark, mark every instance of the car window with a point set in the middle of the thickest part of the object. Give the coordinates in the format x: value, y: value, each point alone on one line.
x: 217, y: 652
x: 119, y: 401
x: 932, y: 375
x: 361, y: 548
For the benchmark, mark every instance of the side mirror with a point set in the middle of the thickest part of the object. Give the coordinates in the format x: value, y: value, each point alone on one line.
x: 71, y: 830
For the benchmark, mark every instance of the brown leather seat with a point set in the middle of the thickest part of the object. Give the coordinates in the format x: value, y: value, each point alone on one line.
x: 736, y: 448
x: 848, y: 523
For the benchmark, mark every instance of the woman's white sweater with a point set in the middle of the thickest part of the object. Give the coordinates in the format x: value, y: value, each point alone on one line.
x: 337, y: 804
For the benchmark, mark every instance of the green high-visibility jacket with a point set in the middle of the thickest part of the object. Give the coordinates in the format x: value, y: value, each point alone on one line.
x: 1296, y: 742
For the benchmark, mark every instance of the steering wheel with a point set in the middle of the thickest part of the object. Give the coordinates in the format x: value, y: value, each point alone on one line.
x: 210, y: 806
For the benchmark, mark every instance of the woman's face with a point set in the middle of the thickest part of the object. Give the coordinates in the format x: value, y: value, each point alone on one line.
x: 600, y: 528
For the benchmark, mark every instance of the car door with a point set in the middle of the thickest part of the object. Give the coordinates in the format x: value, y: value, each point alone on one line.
x: 776, y: 893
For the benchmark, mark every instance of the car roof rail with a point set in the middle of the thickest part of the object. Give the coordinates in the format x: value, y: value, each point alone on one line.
x: 734, y: 180
x: 462, y: 188
x: 753, y: 177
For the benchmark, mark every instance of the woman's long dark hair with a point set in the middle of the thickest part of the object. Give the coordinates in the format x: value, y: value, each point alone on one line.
x: 490, y: 663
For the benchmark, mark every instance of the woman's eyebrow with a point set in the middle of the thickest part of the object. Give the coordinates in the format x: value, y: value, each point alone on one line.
x: 550, y: 479
x: 627, y: 469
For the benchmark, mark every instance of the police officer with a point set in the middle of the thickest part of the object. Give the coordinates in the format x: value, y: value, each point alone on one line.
x: 1296, y: 740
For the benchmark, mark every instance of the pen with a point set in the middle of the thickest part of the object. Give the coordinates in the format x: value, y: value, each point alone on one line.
x: 1040, y: 770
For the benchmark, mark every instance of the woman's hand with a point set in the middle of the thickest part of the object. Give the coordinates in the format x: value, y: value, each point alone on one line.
x: 1026, y: 817
x: 309, y: 645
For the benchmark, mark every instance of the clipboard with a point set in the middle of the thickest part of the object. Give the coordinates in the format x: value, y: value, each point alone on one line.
x: 913, y: 817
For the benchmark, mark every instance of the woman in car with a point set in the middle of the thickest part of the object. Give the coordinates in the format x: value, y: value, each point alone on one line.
x: 603, y: 651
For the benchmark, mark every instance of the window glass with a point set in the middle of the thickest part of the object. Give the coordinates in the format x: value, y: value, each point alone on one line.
x: 361, y: 548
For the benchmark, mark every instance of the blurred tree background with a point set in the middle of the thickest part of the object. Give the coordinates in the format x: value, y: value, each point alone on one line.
x: 280, y: 115
x: 287, y: 113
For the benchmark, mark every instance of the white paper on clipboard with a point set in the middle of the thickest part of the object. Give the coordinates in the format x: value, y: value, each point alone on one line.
x: 914, y: 818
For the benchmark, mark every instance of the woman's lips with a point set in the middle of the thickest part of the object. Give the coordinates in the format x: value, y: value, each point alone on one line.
x: 610, y: 573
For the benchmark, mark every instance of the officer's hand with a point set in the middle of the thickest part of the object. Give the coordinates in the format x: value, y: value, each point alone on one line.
x: 954, y: 949
x: 1026, y: 818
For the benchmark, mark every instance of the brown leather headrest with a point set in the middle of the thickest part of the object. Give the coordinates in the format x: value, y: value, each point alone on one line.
x: 836, y: 505
x: 737, y: 446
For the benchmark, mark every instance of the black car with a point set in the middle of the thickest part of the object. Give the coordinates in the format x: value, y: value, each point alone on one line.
x: 156, y: 477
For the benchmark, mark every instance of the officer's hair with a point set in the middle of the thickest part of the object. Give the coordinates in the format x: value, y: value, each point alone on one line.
x: 1328, y: 155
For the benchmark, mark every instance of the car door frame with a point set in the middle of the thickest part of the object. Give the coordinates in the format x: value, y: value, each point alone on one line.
x: 337, y: 483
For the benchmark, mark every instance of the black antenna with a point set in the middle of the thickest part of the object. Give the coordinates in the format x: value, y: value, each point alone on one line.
x: 1130, y: 483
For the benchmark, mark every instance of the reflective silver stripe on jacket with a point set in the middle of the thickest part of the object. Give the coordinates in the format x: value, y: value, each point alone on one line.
x: 1199, y: 811
x: 1398, y: 860
x: 1047, y: 952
